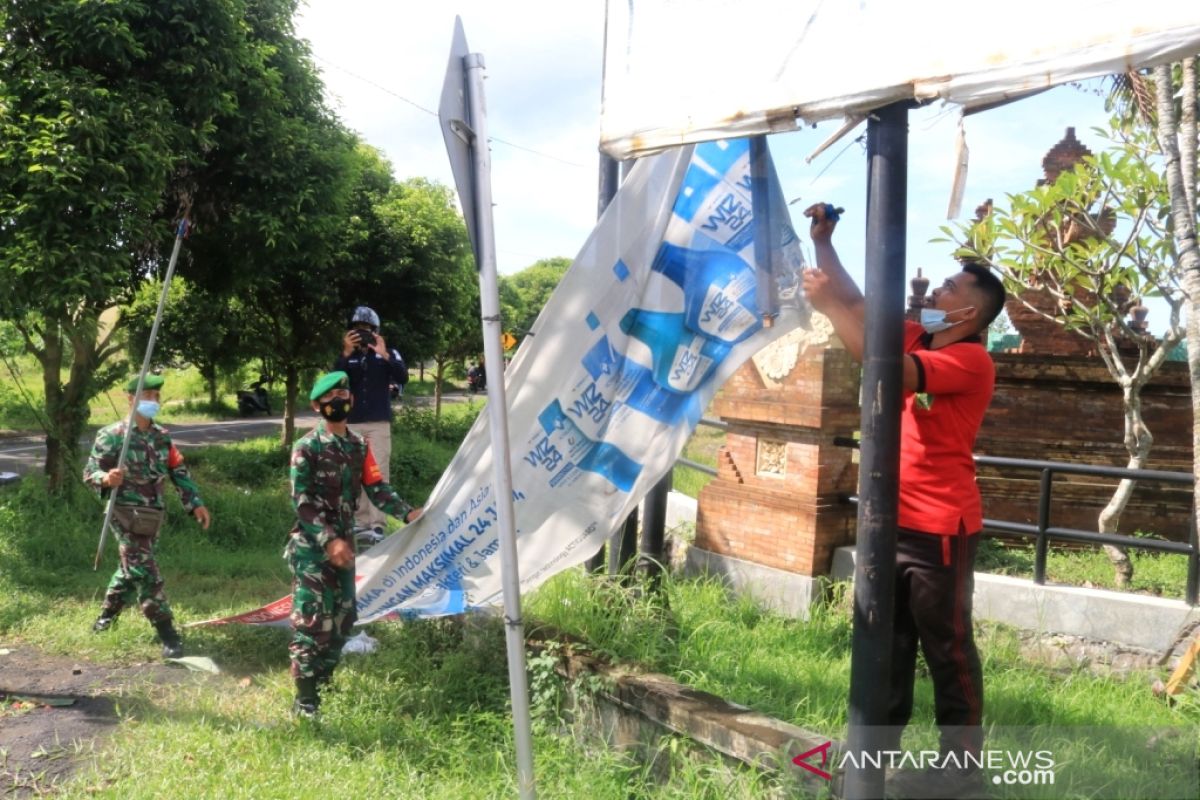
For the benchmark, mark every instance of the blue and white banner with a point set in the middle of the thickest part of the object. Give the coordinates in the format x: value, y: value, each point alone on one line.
x: 658, y: 309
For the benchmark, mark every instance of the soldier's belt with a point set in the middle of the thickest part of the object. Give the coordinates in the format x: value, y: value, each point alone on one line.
x: 138, y: 520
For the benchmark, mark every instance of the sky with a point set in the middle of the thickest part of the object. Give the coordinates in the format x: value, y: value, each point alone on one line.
x: 384, y: 62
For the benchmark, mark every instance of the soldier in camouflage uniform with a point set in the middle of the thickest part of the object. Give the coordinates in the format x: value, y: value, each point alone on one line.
x: 331, y: 466
x: 138, y: 513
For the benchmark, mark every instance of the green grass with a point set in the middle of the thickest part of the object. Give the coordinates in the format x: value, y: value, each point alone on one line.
x: 424, y: 717
x: 184, y: 397
x: 1163, y: 574
x: 701, y: 448
x: 800, y: 671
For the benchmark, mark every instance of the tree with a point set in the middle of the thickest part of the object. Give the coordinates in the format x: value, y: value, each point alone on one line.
x: 1180, y: 142
x: 200, y: 326
x: 103, y: 108
x: 1094, y: 243
x: 528, y: 291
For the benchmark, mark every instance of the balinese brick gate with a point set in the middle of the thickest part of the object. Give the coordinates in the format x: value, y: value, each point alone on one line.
x: 772, y: 515
x: 1063, y: 408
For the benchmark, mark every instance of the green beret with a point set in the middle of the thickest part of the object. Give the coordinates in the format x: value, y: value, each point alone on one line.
x: 151, y: 382
x: 330, y: 380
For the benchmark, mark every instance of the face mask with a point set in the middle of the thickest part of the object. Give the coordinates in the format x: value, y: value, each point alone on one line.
x: 933, y: 320
x: 147, y: 408
x: 336, y: 409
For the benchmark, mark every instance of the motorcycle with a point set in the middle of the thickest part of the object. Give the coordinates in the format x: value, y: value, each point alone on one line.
x: 476, y: 381
x: 253, y: 400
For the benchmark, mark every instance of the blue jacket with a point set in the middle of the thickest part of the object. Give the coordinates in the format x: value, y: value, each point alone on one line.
x: 370, y: 376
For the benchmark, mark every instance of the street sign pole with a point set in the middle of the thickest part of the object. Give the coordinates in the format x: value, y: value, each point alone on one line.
x: 466, y: 135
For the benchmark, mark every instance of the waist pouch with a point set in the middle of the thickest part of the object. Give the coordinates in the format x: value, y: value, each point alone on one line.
x: 138, y: 520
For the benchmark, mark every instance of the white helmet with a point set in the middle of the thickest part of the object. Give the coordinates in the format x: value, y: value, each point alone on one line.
x: 365, y: 314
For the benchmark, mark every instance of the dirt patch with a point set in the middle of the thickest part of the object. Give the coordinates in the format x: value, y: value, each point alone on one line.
x: 55, y: 713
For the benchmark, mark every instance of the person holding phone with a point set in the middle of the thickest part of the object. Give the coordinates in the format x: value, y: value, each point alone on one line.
x: 372, y: 367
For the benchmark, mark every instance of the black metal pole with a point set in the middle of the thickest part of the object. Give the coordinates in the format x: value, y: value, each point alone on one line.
x: 610, y: 180
x: 764, y: 228
x: 654, y: 531
x: 879, y: 463
x: 623, y: 547
x: 1192, y: 592
x: 1041, y: 546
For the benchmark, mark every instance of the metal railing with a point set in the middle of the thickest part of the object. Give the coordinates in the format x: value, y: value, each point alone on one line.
x: 687, y: 462
x: 1043, y: 532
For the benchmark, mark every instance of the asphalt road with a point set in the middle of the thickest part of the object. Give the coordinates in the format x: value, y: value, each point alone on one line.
x: 22, y: 454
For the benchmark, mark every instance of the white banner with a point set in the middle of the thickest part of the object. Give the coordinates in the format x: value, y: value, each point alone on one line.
x: 676, y: 73
x: 658, y: 309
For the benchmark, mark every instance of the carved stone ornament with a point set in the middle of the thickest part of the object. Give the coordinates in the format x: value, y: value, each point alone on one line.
x: 776, y: 361
x: 772, y: 458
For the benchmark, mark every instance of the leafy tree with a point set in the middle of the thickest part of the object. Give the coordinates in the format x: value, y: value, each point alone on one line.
x: 292, y: 290
x: 528, y: 290
x: 1095, y: 242
x: 103, y: 108
x: 199, y: 326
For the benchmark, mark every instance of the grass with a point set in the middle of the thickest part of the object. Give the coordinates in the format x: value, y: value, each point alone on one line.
x: 425, y: 717
x: 800, y: 672
x: 701, y: 448
x: 1162, y: 574
x: 185, y: 398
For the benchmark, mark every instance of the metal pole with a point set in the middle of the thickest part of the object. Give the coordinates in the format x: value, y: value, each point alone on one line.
x: 879, y: 467
x: 610, y: 180
x: 1041, y: 544
x: 489, y: 301
x: 623, y: 546
x: 764, y: 228
x: 654, y: 531
x: 180, y: 232
x: 1192, y: 592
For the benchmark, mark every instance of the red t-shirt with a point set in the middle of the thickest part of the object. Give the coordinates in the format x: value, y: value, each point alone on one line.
x: 938, y: 493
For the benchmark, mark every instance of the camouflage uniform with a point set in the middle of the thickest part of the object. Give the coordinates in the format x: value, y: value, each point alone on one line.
x: 151, y: 459
x: 328, y: 472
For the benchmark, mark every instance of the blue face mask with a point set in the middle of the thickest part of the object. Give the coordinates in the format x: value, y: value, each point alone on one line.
x: 933, y: 320
x: 147, y: 408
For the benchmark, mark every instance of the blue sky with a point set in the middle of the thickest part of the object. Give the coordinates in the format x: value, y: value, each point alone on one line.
x: 381, y: 59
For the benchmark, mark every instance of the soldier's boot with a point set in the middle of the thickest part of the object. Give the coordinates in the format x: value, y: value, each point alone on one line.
x: 172, y: 645
x: 104, y: 621
x: 308, y: 701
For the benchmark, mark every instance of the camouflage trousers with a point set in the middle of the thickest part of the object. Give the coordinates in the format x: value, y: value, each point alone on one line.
x: 323, y: 611
x: 137, y: 578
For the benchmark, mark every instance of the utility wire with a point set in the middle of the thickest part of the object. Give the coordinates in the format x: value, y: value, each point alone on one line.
x: 432, y: 113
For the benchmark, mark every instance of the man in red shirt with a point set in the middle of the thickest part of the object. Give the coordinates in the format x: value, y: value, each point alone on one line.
x: 948, y: 381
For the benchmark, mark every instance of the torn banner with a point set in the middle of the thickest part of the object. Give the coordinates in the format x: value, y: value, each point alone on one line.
x: 658, y: 309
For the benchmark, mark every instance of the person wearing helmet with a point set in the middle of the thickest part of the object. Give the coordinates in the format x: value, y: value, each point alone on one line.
x: 372, y: 367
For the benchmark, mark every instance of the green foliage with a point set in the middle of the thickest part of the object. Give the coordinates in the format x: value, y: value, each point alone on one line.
x: 425, y: 716
x: 451, y: 427
x: 422, y: 447
x: 1160, y: 574
x: 115, y: 115
x: 523, y: 294
x: 1096, y: 240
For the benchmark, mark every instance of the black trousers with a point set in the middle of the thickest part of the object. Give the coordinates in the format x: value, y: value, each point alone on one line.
x: 935, y: 578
